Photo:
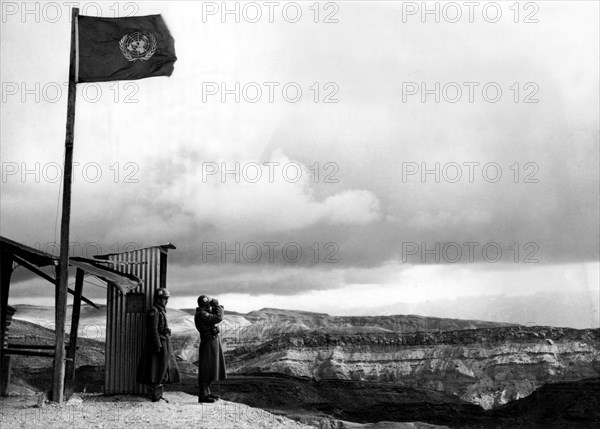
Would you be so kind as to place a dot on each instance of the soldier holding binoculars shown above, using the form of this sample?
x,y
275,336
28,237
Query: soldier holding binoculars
x,y
211,363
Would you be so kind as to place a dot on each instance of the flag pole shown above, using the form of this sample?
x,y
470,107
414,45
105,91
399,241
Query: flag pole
x,y
63,277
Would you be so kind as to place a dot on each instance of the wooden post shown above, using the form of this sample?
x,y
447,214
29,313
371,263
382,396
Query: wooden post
x,y
5,274
61,295
71,352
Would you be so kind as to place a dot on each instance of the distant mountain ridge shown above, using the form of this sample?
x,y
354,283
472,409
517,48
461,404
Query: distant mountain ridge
x,y
579,309
487,363
393,323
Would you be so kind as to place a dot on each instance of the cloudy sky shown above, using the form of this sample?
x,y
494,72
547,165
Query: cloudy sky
x,y
382,157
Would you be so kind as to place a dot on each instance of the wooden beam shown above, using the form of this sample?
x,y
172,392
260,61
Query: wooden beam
x,y
42,274
70,370
34,269
6,262
27,353
31,346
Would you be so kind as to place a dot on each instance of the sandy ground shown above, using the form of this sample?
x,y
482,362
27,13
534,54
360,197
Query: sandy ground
x,y
97,411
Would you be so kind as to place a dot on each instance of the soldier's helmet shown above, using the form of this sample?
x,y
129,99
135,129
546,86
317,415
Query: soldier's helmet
x,y
161,292
203,300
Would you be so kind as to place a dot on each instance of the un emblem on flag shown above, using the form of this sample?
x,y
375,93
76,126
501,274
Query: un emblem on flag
x,y
138,46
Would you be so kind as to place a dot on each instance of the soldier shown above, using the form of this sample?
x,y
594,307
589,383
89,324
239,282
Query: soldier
x,y
211,363
157,365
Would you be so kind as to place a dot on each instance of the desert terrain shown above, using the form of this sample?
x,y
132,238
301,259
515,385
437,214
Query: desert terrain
x,y
301,369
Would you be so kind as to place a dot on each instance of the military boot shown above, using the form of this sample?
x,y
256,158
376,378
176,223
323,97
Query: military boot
x,y
156,392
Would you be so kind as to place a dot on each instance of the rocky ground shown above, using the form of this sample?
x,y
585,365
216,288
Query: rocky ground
x,y
97,411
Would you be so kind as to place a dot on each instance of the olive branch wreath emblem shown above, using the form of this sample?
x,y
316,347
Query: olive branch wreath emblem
x,y
146,54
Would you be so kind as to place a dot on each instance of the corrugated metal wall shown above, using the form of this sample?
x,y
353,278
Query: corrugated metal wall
x,y
125,331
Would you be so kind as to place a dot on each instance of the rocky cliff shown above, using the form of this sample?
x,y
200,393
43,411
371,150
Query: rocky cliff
x,y
486,366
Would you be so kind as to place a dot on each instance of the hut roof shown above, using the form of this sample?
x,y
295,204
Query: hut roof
x,y
31,258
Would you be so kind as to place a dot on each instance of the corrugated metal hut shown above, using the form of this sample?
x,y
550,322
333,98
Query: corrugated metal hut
x,y
14,255
126,315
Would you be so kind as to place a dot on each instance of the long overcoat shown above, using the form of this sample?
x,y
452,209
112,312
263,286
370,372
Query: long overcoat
x,y
211,363
157,364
